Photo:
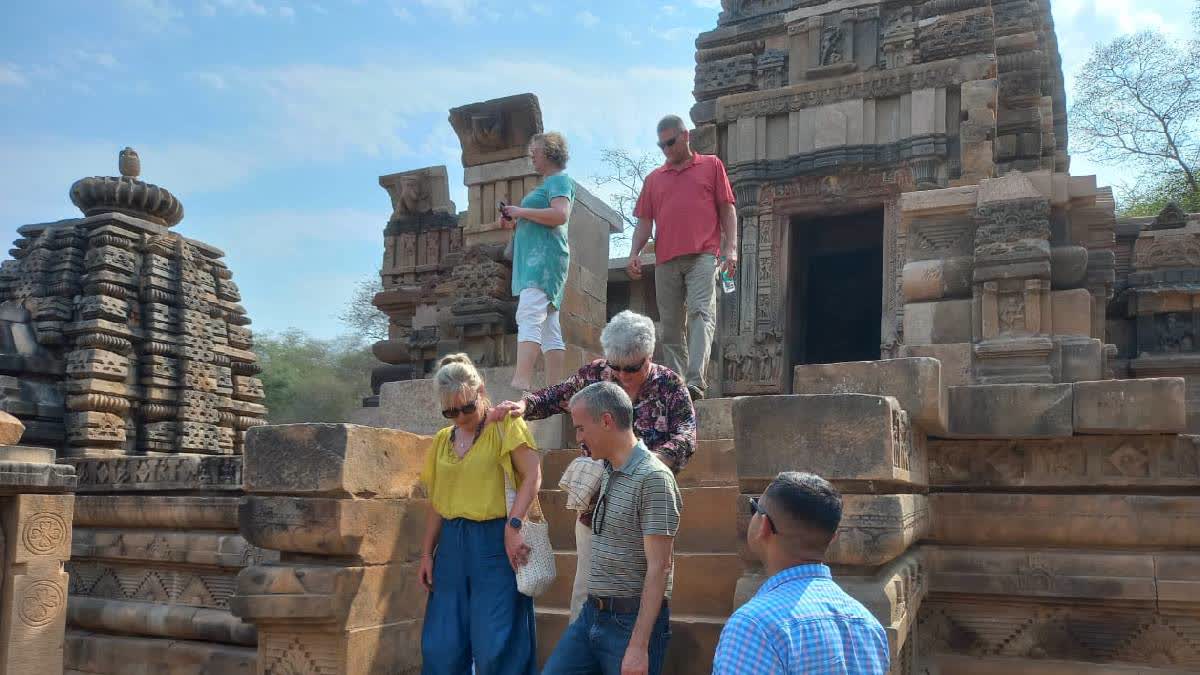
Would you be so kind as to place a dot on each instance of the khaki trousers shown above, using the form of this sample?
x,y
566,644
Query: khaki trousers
x,y
687,283
583,566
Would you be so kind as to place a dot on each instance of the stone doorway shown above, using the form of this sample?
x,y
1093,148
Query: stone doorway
x,y
836,289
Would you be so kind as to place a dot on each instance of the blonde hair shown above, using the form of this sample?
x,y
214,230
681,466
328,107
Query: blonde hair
x,y
455,375
554,147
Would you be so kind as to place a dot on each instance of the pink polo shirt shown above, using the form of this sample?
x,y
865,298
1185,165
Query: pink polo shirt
x,y
683,203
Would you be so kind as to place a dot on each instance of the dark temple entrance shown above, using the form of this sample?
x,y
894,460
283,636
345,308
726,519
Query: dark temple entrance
x,y
836,294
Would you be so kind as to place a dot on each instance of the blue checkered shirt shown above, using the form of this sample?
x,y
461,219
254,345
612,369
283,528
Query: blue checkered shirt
x,y
801,621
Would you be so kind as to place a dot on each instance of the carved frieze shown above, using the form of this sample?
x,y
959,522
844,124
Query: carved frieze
x,y
726,76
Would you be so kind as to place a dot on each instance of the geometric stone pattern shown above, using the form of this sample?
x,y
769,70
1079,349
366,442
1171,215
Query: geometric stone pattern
x,y
140,328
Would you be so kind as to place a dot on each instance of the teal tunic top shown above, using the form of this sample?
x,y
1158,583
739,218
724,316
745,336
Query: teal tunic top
x,y
540,253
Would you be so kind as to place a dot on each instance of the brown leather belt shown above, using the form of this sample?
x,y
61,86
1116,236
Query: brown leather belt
x,y
619,605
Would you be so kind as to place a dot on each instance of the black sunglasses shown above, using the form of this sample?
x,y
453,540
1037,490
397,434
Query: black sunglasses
x,y
600,511
470,408
627,369
663,145
756,509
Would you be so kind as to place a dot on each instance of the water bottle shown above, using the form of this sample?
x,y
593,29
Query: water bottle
x,y
727,283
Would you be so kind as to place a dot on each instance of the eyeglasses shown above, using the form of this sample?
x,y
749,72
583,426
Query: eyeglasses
x,y
663,145
629,370
756,508
600,511
468,409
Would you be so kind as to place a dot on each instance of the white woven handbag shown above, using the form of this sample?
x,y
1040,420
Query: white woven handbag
x,y
581,482
535,576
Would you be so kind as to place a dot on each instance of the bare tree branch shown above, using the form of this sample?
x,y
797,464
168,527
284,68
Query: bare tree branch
x,y
624,174
363,319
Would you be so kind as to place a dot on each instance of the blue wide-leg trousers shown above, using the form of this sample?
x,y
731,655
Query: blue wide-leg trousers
x,y
475,614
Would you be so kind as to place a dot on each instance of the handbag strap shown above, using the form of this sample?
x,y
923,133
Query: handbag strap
x,y
535,512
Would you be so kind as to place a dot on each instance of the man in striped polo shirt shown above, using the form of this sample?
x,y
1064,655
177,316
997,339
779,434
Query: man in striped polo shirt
x,y
624,626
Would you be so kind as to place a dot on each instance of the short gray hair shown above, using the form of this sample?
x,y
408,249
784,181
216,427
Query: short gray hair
x,y
673,122
605,397
627,337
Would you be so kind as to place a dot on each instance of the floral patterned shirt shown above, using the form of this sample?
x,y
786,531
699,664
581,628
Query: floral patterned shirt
x,y
663,416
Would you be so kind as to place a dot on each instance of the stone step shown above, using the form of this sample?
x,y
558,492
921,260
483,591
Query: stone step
x,y
842,437
690,651
704,582
712,465
915,382
708,523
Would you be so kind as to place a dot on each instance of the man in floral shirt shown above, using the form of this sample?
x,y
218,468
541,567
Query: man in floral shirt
x,y
663,416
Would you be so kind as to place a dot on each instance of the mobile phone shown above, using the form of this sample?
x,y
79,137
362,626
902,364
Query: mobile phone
x,y
500,205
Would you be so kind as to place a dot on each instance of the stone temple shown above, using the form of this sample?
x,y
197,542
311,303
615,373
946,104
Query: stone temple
x,y
930,311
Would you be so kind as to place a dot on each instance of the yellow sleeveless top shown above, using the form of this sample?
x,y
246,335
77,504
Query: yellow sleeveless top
x,y
473,487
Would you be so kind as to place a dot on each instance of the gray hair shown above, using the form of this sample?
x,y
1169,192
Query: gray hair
x,y
605,397
672,122
627,337
456,374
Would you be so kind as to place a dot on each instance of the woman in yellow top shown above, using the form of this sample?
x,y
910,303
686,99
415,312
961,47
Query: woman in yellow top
x,y
473,543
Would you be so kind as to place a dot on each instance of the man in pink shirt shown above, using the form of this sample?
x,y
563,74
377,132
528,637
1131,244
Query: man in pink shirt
x,y
689,203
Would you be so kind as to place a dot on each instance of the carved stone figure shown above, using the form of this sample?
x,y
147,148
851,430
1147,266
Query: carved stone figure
x,y
832,39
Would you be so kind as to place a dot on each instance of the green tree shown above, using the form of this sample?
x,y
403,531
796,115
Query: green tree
x,y
312,380
363,319
1137,103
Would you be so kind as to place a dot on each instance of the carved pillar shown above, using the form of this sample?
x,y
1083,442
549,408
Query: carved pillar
x,y
35,511
342,504
1012,283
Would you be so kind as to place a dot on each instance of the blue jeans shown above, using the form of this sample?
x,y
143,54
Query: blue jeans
x,y
475,614
596,642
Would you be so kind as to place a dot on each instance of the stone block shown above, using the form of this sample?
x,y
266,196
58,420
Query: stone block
x,y
333,460
157,511
158,473
893,594
373,531
35,476
90,653
1114,462
11,429
1071,312
842,437
1079,359
197,547
44,526
941,322
955,360
1152,405
875,529
1073,521
27,454
378,650
177,622
714,418
343,597
1011,411
1095,575
35,616
916,383
1178,579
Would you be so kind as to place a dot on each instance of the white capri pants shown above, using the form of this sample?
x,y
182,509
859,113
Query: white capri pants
x,y
537,321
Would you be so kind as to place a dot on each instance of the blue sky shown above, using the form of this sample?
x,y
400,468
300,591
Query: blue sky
x,y
271,120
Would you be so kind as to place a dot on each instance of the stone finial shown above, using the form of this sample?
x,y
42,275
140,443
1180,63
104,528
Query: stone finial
x,y
127,194
129,163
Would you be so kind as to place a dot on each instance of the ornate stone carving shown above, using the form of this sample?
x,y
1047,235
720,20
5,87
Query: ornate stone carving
x,y
127,194
726,76
41,603
1170,218
496,130
44,533
832,45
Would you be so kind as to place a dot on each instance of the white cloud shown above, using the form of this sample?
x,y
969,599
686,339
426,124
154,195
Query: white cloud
x,y
244,7
210,79
459,11
152,15
11,75
286,11
628,36
707,4
102,59
587,19
319,9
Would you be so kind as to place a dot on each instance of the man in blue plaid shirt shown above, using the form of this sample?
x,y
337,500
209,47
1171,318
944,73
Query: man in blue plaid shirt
x,y
799,621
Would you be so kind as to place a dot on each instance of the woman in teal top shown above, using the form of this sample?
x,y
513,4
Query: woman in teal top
x,y
541,257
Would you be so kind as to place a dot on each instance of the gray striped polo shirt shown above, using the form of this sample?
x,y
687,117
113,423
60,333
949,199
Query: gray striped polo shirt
x,y
637,499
